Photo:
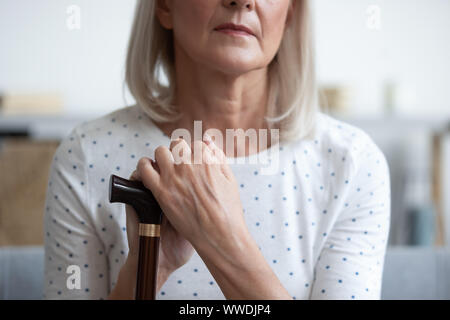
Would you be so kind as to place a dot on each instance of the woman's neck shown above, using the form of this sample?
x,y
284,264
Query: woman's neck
x,y
221,101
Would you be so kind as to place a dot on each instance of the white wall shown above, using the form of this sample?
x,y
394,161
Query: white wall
x,y
412,48
38,51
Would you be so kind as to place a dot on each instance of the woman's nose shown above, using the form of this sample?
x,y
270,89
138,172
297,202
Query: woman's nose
x,y
239,4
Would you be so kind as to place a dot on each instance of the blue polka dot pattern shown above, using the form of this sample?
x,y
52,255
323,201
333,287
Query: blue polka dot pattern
x,y
321,222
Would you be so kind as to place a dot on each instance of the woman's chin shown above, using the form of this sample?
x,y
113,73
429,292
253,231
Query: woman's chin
x,y
235,65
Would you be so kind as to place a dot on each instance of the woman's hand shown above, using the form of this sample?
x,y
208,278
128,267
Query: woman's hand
x,y
202,205
200,199
174,250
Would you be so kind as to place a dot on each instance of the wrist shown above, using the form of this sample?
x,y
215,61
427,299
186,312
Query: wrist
x,y
233,254
240,271
246,275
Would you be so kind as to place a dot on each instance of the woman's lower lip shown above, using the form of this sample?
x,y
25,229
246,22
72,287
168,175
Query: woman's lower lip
x,y
235,32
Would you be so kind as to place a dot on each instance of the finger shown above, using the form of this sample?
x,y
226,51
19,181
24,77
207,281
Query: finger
x,y
148,174
198,147
181,151
208,156
220,155
132,223
135,176
164,158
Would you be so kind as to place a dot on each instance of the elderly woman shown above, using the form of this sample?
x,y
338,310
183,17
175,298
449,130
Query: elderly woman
x,y
315,227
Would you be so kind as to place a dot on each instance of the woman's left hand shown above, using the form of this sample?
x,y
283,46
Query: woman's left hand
x,y
201,200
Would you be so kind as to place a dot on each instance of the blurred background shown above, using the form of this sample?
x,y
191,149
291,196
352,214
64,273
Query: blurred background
x,y
383,65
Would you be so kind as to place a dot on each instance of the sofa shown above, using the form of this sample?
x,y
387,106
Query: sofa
x,y
409,273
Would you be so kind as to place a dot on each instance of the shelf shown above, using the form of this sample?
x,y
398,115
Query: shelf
x,y
398,122
56,127
40,127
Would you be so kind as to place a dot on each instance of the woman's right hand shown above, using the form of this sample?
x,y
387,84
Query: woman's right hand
x,y
174,250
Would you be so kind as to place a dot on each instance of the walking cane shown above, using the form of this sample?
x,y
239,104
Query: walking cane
x,y
149,214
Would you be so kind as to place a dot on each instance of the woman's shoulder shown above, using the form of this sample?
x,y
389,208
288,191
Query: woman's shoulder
x,y
336,130
345,141
129,125
126,118
125,131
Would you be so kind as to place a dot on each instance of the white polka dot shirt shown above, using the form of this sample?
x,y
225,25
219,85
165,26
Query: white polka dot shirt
x,y
321,220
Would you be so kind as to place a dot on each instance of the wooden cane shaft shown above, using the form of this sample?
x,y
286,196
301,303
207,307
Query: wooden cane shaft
x,y
148,262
